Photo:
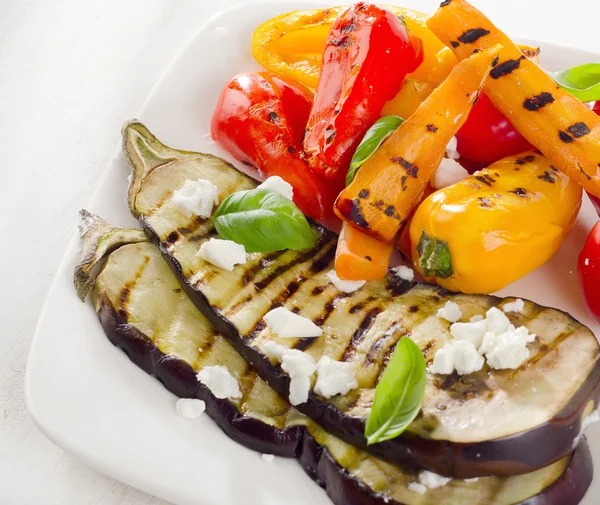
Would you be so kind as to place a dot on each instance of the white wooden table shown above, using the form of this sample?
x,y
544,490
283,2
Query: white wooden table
x,y
71,72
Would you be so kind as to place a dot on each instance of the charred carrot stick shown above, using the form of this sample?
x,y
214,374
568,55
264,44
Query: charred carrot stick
x,y
389,184
360,257
551,119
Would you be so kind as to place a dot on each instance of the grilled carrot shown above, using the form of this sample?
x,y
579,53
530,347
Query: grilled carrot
x,y
390,183
360,257
551,119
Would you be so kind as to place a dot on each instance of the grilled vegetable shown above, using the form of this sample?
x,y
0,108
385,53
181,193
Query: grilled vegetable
x,y
260,120
164,343
550,118
495,226
505,418
368,53
292,45
389,184
588,267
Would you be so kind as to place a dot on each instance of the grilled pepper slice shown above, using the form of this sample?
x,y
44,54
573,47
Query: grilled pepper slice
x,y
390,183
481,234
292,45
551,119
367,56
260,120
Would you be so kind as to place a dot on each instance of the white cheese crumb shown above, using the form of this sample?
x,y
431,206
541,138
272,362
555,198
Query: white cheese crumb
x,y
334,377
451,149
273,350
286,324
461,355
220,382
417,488
404,272
267,457
449,172
472,481
450,312
343,285
197,198
224,254
471,332
190,408
432,480
279,185
517,306
476,318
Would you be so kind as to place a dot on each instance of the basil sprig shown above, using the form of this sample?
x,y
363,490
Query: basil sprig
x,y
263,220
399,394
582,81
374,137
435,257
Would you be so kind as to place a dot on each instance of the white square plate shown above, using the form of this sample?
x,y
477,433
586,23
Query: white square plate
x,y
87,397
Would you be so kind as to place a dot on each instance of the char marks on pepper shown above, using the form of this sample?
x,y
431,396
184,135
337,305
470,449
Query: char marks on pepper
x,y
578,130
565,137
411,169
525,159
536,102
473,35
505,68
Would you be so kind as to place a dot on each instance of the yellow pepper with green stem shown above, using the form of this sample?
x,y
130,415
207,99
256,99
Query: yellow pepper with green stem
x,y
487,231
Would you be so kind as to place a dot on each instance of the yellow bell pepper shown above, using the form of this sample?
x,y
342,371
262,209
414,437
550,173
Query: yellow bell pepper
x,y
292,45
481,234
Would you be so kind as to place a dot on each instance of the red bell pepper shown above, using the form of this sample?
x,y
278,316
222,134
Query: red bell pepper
x,y
368,53
588,268
260,119
488,136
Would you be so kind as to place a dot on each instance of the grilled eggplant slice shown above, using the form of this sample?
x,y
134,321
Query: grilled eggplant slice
x,y
482,424
144,312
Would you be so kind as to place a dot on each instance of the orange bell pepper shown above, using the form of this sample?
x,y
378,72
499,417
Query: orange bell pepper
x,y
390,183
551,119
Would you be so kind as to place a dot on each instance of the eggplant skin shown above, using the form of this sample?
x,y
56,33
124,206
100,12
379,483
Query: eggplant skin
x,y
179,378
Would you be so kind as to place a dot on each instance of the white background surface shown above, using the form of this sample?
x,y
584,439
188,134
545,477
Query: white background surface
x,y
70,74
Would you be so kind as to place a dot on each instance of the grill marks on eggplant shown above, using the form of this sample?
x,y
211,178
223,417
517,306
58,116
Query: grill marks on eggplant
x,y
488,418
165,343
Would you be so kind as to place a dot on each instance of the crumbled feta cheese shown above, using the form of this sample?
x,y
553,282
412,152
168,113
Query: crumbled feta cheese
x,y
220,382
299,365
267,457
476,318
343,285
472,481
286,324
190,408
404,272
197,198
432,480
507,349
224,254
450,312
471,332
451,149
334,377
417,487
517,306
279,185
461,355
449,172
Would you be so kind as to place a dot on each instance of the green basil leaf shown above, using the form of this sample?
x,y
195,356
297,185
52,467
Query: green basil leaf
x,y
374,137
435,257
399,394
582,81
263,220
